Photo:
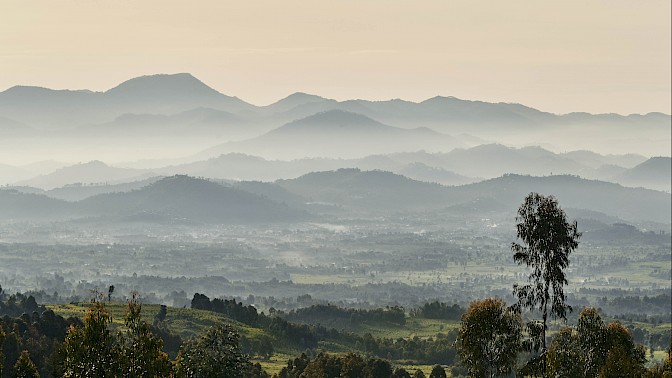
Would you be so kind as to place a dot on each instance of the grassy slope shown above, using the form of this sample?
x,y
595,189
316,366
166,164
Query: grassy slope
x,y
190,322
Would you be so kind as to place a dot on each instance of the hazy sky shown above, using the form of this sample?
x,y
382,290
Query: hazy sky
x,y
559,56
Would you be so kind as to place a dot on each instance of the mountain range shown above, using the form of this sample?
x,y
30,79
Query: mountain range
x,y
458,167
160,107
175,199
350,192
377,191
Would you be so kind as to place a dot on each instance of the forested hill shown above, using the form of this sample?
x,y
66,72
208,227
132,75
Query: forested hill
x,y
635,204
384,191
346,191
172,199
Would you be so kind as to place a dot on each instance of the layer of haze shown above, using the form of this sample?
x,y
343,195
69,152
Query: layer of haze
x,y
594,56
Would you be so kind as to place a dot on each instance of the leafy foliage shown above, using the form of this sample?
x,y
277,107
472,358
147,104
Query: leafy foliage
x,y
564,357
215,354
438,310
595,350
91,351
25,368
548,240
489,339
320,313
437,372
142,352
326,365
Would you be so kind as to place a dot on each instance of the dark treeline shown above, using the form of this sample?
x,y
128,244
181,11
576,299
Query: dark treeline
x,y
438,310
330,314
40,334
229,307
349,365
297,335
433,350
17,304
656,304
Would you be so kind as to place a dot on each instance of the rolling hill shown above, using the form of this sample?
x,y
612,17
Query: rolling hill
x,y
92,172
654,173
386,192
169,200
337,134
183,198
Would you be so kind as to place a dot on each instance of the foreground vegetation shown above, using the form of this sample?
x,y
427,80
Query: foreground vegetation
x,y
70,340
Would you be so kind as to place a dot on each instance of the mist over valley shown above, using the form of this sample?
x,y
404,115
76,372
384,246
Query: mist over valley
x,y
309,210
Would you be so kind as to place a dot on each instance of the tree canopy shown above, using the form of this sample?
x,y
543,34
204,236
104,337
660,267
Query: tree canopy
x,y
489,338
548,239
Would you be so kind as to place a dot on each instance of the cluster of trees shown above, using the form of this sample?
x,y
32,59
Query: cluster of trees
x,y
438,310
301,336
492,335
91,349
439,349
229,307
350,365
330,314
17,304
41,334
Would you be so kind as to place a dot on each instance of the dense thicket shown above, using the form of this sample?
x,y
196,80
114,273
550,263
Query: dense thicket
x,y
438,310
334,315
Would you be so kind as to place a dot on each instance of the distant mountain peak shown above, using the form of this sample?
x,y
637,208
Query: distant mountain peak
x,y
162,83
331,120
302,96
294,100
338,116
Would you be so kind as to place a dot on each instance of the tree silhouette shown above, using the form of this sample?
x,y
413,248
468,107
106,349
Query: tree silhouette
x,y
25,368
548,240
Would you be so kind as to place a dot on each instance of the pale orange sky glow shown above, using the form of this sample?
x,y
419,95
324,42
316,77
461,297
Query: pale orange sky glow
x,y
594,56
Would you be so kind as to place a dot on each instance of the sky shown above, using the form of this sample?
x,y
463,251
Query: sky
x,y
598,56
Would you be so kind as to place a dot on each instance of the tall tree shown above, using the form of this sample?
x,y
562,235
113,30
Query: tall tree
x,y
437,372
91,351
25,368
593,340
564,356
625,358
489,338
142,354
2,339
216,354
547,241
